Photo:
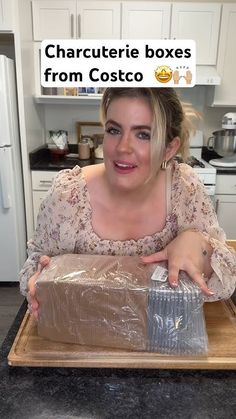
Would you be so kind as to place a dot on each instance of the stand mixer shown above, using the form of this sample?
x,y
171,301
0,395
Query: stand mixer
x,y
223,142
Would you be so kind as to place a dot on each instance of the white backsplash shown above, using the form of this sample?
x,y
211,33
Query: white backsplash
x,y
66,116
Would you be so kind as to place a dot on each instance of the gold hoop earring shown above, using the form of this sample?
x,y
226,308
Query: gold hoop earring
x,y
164,165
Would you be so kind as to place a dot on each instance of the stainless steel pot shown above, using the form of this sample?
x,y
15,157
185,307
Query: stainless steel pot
x,y
223,142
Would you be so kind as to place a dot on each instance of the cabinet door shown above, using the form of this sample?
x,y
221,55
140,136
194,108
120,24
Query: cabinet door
x,y
98,19
54,19
145,20
226,210
200,22
6,18
226,184
225,94
42,180
38,197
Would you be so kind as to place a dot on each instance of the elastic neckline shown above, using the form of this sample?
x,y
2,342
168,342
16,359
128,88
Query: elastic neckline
x,y
157,235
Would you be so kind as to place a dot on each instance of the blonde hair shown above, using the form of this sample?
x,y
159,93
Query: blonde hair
x,y
169,119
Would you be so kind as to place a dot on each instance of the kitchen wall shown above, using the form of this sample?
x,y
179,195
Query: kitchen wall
x,y
66,116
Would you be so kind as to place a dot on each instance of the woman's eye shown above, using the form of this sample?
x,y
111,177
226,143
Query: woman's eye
x,y
113,131
144,135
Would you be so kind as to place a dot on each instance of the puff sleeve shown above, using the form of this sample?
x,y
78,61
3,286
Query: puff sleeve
x,y
56,228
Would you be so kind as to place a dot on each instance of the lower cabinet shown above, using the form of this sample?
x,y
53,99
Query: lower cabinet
x,y
226,203
226,210
41,183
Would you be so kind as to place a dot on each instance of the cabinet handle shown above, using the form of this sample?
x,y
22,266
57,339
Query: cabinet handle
x,y
72,25
217,205
79,27
46,182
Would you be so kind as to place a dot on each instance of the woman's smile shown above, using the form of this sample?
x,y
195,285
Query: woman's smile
x,y
124,167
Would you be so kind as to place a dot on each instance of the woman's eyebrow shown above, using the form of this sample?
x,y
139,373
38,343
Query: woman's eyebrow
x,y
141,127
134,127
111,121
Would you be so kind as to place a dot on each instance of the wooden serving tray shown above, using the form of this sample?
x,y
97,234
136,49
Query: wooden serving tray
x,y
31,350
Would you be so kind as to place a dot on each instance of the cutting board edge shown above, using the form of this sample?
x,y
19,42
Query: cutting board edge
x,y
154,361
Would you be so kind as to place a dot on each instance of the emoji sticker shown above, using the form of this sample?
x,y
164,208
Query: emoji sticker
x,y
163,73
187,76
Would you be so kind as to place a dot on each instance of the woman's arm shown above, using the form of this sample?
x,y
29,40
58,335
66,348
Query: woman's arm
x,y
56,223
45,240
199,247
200,215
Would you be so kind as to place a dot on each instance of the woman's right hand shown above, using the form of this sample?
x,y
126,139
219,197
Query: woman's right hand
x,y
33,304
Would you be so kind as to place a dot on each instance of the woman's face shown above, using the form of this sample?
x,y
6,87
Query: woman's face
x,y
127,143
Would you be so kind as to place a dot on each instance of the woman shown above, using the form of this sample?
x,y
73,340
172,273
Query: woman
x,y
139,201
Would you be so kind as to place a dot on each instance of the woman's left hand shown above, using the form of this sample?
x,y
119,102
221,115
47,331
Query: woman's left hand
x,y
189,252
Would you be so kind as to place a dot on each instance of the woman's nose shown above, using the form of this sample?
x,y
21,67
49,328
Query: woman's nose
x,y
125,145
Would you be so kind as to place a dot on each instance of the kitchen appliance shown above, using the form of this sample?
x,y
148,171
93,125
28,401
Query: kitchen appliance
x,y
12,214
204,170
223,142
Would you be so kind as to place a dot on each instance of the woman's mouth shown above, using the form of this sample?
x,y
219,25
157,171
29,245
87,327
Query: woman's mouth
x,y
124,167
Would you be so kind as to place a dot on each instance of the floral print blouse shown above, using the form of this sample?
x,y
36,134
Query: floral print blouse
x,y
64,225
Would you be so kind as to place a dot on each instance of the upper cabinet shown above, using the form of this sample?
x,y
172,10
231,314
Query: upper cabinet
x,y
6,15
66,19
98,19
157,20
53,19
145,20
200,22
225,94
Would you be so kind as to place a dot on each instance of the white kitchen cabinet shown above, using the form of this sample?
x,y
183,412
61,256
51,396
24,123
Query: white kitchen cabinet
x,y
60,19
226,184
226,203
226,210
200,22
158,20
53,19
41,183
145,20
6,15
225,93
98,19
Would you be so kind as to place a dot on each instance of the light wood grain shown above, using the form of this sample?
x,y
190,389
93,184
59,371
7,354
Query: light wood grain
x,y
31,350
231,243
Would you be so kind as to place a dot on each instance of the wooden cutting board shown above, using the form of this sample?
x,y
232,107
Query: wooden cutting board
x,y
30,350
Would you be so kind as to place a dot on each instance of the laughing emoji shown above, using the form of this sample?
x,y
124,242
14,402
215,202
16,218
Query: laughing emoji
x,y
163,74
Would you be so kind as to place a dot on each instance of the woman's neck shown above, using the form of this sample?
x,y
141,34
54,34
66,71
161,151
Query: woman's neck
x,y
138,196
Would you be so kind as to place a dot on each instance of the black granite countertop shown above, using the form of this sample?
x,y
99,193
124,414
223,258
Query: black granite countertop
x,y
42,159
68,393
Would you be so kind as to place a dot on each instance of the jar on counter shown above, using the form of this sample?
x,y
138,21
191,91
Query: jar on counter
x,y
84,149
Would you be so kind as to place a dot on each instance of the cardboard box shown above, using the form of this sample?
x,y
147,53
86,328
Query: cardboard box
x,y
94,300
117,302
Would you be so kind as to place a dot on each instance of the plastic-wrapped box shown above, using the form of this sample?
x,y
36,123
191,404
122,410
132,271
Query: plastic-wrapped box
x,y
117,302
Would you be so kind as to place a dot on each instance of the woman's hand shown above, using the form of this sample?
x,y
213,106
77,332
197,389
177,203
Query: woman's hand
x,y
189,252
33,304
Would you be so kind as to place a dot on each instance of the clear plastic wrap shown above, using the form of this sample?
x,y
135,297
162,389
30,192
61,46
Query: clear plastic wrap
x,y
117,302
